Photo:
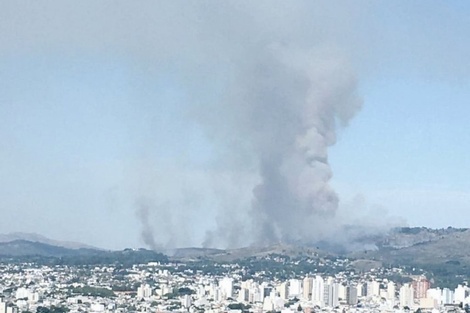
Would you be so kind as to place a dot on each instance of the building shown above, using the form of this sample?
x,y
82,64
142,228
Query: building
x,y
373,289
421,286
318,289
351,295
460,293
307,288
407,296
330,296
283,290
226,287
144,292
295,288
391,292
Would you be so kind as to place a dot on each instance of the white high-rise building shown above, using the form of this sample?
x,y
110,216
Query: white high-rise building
x,y
373,289
391,291
342,292
436,294
263,291
144,292
460,293
406,296
360,290
330,297
283,290
243,295
447,296
351,295
318,290
226,287
295,288
307,288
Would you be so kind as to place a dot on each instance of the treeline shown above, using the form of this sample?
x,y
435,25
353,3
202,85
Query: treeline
x,y
93,291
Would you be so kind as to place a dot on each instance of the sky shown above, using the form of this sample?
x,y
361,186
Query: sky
x,y
151,124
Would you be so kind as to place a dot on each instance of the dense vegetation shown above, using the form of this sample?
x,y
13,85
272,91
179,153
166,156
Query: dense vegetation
x,y
93,291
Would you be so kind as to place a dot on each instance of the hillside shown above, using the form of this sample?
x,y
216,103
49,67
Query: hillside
x,y
19,248
424,247
28,251
417,245
4,238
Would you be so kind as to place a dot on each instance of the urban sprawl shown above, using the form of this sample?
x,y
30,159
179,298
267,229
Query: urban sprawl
x,y
167,287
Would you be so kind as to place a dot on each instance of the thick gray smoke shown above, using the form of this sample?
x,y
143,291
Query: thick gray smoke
x,y
269,82
288,104
220,114
296,109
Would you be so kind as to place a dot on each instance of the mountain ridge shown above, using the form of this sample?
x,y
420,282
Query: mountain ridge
x,y
34,237
405,245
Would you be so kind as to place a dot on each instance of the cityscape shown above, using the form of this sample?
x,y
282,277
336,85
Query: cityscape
x,y
179,287
234,156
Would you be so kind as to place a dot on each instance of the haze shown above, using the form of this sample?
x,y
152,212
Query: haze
x,y
224,124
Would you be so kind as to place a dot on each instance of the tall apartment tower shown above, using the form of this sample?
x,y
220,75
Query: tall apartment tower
x,y
144,291
307,288
284,291
351,295
406,295
318,289
295,288
391,290
373,289
226,287
330,296
421,286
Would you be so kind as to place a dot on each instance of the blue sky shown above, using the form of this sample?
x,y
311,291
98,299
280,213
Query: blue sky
x,y
96,118
407,151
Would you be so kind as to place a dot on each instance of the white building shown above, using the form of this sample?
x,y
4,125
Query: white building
x,y
406,296
460,293
373,289
447,296
226,287
307,288
144,292
283,290
295,288
318,290
330,297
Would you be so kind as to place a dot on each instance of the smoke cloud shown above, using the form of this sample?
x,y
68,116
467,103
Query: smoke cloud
x,y
288,104
147,233
270,84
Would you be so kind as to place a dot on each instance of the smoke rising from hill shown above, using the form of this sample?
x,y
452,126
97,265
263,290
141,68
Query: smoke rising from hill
x,y
288,104
269,82
212,121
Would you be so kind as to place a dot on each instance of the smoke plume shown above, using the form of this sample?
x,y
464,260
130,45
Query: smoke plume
x,y
147,233
284,90
219,114
288,104
269,83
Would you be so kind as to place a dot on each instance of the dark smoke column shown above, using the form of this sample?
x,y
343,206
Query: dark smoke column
x,y
288,104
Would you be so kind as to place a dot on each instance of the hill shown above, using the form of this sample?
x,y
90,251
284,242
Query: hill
x,y
4,238
423,247
42,253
